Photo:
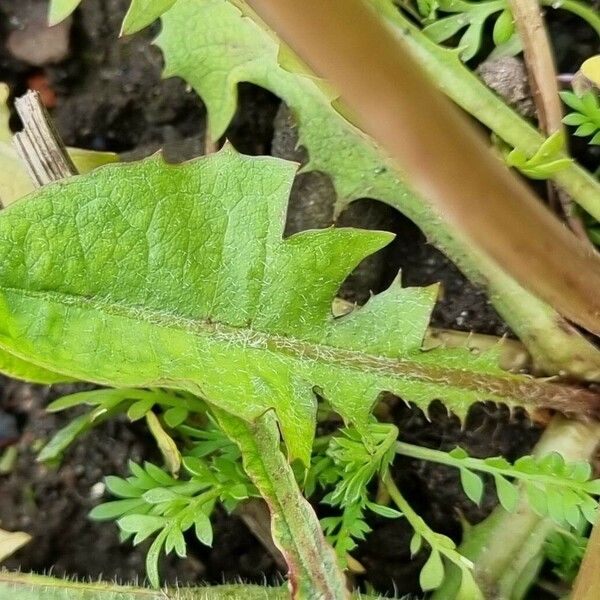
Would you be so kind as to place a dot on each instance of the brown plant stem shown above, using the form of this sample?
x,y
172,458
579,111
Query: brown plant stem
x,y
543,82
401,108
540,63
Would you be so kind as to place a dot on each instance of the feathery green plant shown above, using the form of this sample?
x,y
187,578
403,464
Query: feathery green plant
x,y
154,503
585,115
563,491
564,549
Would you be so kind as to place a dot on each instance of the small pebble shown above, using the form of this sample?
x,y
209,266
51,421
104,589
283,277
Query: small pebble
x,y
97,490
37,44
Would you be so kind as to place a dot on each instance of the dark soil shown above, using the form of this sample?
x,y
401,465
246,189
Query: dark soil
x,y
109,96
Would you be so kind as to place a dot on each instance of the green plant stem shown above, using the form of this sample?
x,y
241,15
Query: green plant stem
x,y
476,464
468,91
419,526
313,568
26,586
21,586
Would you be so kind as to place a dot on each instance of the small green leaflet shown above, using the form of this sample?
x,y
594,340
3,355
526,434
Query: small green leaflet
x,y
554,487
471,16
152,502
585,115
432,574
472,484
546,162
177,276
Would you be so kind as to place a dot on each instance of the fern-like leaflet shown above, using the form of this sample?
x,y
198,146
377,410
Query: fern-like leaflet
x,y
155,503
585,114
563,491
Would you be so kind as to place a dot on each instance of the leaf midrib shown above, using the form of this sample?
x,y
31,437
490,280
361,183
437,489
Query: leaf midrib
x,y
506,387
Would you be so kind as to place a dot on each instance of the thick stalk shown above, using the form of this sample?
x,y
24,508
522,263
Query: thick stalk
x,y
313,569
417,126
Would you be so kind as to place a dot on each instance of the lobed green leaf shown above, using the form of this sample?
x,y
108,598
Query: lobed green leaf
x,y
182,279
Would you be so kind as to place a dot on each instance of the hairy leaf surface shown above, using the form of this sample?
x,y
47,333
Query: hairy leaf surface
x,y
21,586
14,184
215,44
152,274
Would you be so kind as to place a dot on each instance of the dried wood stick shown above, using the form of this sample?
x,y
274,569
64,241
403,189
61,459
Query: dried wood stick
x,y
540,63
39,146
